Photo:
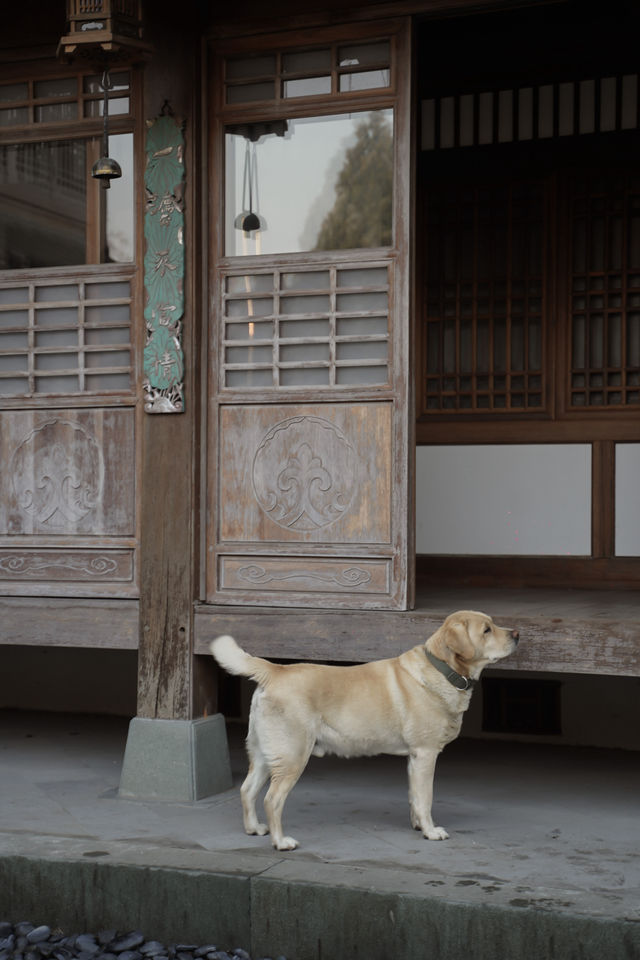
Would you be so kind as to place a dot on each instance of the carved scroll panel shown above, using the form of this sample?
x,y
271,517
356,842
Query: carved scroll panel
x,y
67,499
304,501
305,474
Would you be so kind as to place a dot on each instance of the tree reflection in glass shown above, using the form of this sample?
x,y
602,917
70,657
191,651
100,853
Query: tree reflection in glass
x,y
320,183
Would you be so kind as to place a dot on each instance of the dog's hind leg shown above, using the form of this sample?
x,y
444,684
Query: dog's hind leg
x,y
254,781
284,777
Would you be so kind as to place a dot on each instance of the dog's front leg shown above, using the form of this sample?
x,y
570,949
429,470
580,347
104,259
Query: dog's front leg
x,y
422,764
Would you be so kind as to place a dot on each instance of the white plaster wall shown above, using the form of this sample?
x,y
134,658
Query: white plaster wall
x,y
628,499
520,499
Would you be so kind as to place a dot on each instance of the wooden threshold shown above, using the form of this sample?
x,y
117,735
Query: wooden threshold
x,y
561,630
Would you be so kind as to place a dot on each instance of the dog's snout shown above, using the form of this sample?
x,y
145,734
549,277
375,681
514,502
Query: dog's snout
x,y
515,636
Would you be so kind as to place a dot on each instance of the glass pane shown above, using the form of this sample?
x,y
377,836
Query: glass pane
x,y
251,67
64,87
10,118
12,387
370,80
249,378
258,283
362,326
14,295
307,377
113,358
14,318
56,361
65,317
56,112
363,54
43,208
309,61
316,280
57,294
248,354
249,331
325,185
369,350
107,291
306,87
56,384
355,302
117,107
57,338
13,91
14,341
106,335
93,84
250,308
14,364
249,92
368,277
303,329
120,203
310,304
299,352
356,376
107,381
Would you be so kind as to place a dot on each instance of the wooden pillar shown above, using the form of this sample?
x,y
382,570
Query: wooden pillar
x,y
603,498
170,441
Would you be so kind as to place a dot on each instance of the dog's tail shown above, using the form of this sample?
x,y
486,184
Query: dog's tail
x,y
235,660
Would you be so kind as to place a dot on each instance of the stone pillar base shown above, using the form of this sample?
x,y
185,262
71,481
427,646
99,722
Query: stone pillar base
x,y
175,760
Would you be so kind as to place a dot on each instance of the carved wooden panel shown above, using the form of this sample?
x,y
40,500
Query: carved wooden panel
x,y
67,473
309,574
84,566
300,474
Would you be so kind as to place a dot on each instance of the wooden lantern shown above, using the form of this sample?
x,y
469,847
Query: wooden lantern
x,y
103,27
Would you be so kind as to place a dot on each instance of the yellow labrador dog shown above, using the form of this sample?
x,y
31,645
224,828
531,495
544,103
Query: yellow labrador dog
x,y
411,705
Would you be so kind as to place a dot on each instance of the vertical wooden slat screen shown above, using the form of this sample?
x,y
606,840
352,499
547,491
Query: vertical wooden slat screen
x,y
484,297
605,291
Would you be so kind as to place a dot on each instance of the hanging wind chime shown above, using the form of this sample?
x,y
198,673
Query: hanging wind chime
x,y
106,168
248,221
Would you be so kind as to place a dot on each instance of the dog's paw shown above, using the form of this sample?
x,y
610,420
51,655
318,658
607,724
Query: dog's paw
x,y
436,833
259,830
287,843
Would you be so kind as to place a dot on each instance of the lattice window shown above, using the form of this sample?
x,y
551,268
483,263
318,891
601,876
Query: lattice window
x,y
330,70
62,99
605,292
485,290
65,335
570,108
313,326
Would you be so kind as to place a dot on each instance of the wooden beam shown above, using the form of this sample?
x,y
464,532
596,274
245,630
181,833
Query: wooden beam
x,y
69,622
562,631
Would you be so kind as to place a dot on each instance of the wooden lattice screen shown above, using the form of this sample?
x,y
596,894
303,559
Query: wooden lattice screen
x,y
485,291
605,291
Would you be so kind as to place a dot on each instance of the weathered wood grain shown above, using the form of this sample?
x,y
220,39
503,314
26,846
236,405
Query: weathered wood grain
x,y
69,622
560,633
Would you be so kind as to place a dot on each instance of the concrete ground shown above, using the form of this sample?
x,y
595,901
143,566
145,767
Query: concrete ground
x,y
542,861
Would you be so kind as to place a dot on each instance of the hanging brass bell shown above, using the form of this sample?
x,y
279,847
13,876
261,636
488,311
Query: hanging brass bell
x,y
106,169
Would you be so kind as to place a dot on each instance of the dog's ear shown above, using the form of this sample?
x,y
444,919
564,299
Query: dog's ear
x,y
453,638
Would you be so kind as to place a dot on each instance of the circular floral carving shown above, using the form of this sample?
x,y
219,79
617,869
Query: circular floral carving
x,y
304,473
58,473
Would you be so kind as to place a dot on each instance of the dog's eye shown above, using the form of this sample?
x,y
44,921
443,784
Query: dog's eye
x,y
487,629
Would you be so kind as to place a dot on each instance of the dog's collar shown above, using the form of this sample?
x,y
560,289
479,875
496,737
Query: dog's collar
x,y
458,680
